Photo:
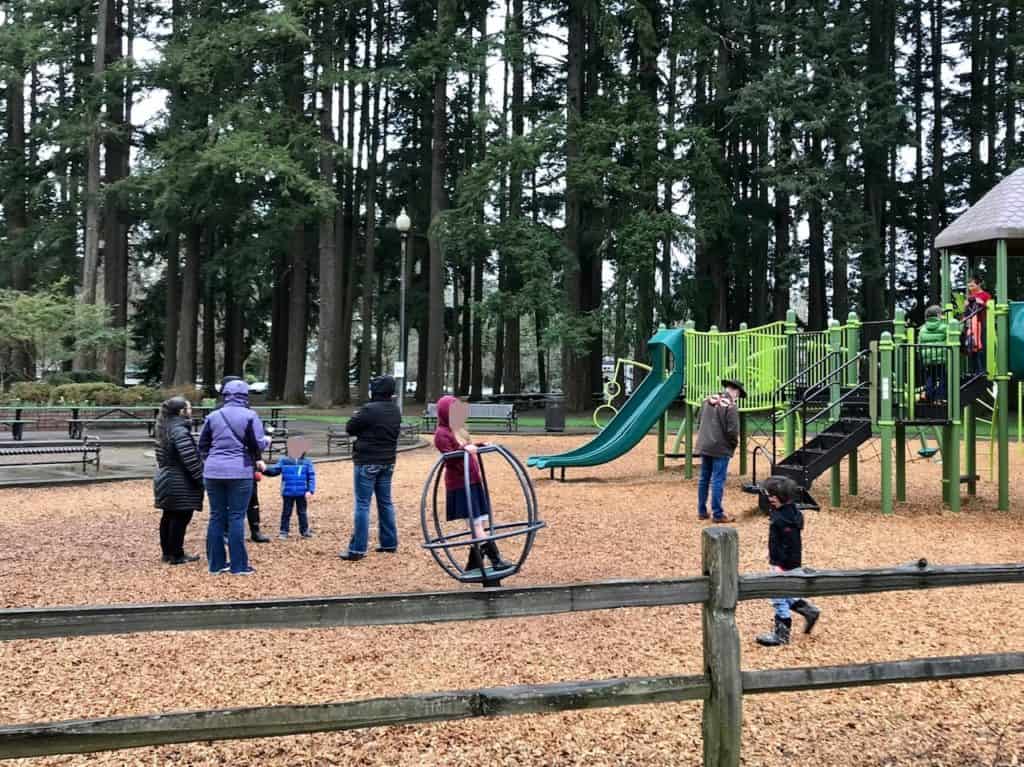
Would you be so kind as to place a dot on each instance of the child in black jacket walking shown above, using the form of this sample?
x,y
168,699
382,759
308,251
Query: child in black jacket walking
x,y
785,552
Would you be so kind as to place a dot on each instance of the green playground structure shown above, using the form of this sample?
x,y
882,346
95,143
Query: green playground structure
x,y
828,392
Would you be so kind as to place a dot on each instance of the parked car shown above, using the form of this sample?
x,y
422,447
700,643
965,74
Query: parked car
x,y
259,387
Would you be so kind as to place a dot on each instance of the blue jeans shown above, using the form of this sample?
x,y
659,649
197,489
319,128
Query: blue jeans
x,y
782,605
229,500
712,473
299,502
370,480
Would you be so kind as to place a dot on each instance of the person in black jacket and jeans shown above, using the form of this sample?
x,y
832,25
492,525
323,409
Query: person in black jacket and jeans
x,y
785,552
178,483
375,426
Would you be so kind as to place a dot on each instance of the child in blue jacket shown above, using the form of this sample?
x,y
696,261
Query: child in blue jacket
x,y
298,483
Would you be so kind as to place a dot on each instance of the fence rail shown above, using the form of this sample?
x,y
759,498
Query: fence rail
x,y
721,688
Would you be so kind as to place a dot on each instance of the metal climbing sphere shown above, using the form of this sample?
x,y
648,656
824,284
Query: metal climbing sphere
x,y
448,545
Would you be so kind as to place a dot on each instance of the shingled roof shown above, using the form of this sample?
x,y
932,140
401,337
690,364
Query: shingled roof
x,y
999,215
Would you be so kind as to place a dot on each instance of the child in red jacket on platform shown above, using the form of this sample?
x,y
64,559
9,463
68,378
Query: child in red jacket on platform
x,y
450,436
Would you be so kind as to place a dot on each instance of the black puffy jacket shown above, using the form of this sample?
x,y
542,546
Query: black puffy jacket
x,y
785,539
178,482
376,427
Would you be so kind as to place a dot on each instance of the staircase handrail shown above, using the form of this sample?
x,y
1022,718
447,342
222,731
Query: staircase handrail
x,y
824,383
832,406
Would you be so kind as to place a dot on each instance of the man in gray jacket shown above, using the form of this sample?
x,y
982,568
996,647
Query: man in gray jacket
x,y
716,442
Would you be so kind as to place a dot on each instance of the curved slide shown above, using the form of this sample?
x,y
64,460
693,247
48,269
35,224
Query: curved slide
x,y
637,416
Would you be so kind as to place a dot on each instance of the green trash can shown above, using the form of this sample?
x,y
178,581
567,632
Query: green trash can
x,y
554,415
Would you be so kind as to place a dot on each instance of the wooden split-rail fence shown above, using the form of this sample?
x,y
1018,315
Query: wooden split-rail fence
x,y
721,688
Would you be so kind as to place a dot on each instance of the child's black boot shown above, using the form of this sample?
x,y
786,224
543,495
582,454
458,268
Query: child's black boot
x,y
808,612
475,562
491,552
779,636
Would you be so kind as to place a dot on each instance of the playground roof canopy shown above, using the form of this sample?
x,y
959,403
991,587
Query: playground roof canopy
x,y
999,215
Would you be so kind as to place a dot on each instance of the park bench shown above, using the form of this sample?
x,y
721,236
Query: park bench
x,y
16,425
479,413
46,453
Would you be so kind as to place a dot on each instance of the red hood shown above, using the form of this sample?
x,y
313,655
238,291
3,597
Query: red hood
x,y
444,406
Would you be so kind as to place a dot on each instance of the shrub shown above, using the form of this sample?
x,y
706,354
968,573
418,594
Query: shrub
x,y
88,392
77,377
192,393
146,395
32,391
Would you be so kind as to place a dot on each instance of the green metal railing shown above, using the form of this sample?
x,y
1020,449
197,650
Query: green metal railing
x,y
756,356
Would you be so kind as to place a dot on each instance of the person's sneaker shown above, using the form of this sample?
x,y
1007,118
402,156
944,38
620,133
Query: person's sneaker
x,y
246,571
185,560
725,519
348,556
382,550
703,517
282,536
259,538
307,534
166,559
225,569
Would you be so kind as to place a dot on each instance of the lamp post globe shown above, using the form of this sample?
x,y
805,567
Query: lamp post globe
x,y
403,224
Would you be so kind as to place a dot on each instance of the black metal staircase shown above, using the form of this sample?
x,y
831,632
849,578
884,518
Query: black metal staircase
x,y
847,417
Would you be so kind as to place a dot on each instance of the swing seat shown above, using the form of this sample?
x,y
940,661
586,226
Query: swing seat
x,y
928,452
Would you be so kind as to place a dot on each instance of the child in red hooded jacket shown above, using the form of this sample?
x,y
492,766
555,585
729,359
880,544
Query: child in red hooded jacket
x,y
451,436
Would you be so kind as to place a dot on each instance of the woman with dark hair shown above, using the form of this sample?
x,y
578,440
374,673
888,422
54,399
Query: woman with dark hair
x,y
178,483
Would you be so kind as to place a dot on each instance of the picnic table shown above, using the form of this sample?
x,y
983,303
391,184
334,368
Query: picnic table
x,y
83,416
16,425
50,453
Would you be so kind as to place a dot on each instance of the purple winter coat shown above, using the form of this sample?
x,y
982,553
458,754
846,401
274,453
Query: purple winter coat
x,y
224,455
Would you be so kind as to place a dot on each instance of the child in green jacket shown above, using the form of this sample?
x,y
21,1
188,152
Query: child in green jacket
x,y
934,360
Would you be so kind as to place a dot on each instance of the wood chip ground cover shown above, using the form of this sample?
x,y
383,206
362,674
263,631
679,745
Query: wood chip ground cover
x,y
93,545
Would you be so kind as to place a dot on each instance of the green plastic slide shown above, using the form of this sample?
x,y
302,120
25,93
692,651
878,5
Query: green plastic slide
x,y
637,416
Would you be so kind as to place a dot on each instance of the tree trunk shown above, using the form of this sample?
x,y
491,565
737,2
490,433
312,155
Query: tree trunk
x,y
937,185
91,261
172,323
920,200
466,334
817,299
116,158
369,259
298,308
327,388
1013,86
209,335
438,203
279,326
476,375
185,370
234,326
976,109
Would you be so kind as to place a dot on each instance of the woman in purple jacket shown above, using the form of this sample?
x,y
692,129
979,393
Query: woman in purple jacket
x,y
231,447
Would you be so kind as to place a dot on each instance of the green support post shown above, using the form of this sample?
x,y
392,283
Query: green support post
x,y
885,422
688,436
853,326
689,327
971,448
835,341
1003,379
743,373
947,284
951,432
900,394
791,370
663,421
901,462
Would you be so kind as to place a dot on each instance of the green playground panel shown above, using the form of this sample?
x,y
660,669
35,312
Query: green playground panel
x,y
756,356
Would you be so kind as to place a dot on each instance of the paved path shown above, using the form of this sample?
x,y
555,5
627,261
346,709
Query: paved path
x,y
128,454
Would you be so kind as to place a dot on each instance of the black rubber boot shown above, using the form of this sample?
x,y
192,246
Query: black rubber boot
x,y
491,552
779,636
808,612
475,561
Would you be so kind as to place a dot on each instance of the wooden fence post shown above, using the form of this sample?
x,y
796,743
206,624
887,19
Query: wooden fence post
x,y
723,708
